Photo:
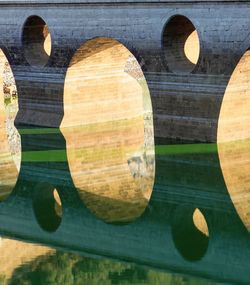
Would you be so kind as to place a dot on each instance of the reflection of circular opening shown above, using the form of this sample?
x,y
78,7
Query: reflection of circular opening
x,y
200,222
233,138
58,203
47,207
10,146
190,234
181,44
109,137
36,41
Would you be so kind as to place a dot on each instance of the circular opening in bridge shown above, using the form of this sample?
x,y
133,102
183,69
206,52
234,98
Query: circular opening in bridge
x,y
108,127
36,41
233,138
181,44
10,141
47,207
190,233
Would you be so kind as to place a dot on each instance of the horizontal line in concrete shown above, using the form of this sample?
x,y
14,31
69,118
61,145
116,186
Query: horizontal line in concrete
x,y
26,2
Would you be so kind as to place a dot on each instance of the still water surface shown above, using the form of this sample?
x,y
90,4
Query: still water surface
x,y
26,264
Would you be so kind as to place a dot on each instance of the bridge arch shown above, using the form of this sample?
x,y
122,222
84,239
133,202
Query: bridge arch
x,y
10,146
233,138
108,127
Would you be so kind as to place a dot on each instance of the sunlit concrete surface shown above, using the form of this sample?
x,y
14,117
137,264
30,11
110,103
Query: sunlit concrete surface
x,y
234,138
10,146
192,47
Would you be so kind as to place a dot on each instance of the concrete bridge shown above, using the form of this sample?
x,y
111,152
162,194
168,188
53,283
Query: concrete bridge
x,y
84,173
222,28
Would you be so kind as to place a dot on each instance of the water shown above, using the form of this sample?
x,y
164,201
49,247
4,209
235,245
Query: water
x,y
26,263
98,203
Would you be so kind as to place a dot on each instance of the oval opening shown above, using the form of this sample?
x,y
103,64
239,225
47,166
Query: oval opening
x,y
36,41
181,45
190,234
233,138
10,146
108,127
47,207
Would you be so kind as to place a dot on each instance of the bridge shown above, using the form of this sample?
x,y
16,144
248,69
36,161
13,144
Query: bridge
x,y
129,134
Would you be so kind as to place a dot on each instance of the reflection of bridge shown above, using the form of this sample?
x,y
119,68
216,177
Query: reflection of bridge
x,y
164,237
186,98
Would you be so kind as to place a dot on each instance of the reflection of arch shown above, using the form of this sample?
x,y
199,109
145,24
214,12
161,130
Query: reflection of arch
x,y
36,40
10,144
47,207
234,138
108,128
190,233
181,44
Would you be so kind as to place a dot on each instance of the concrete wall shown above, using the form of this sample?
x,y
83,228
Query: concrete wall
x,y
186,106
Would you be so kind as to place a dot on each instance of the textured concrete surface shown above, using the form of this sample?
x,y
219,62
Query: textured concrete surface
x,y
234,138
191,102
108,128
188,105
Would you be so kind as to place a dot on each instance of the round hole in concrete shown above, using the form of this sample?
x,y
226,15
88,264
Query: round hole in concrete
x,y
36,41
47,207
10,146
180,43
190,233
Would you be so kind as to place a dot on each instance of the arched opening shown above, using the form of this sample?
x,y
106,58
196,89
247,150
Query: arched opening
x,y
233,138
36,41
181,44
47,207
190,233
108,128
10,141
